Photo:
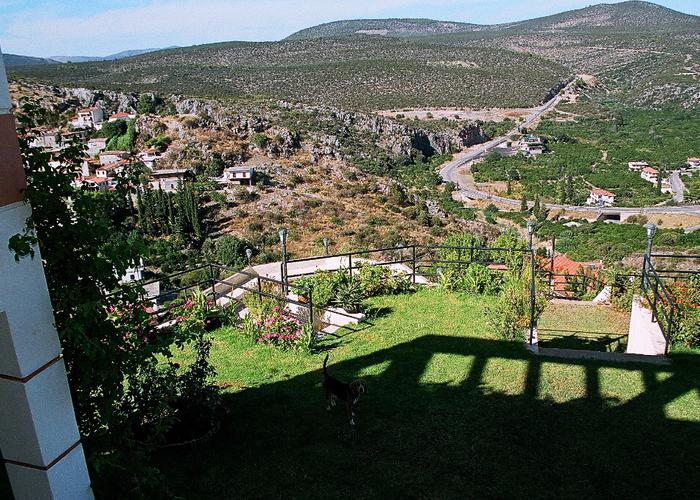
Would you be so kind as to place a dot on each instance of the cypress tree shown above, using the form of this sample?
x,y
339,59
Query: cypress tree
x,y
536,209
569,189
523,204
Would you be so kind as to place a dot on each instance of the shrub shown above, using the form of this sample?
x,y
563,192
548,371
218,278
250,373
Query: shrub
x,y
687,296
510,316
349,296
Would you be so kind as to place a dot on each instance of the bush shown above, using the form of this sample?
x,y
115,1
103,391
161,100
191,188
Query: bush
x,y
510,316
687,297
349,296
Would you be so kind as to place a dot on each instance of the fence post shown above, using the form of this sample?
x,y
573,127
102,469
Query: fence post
x,y
259,290
471,250
530,232
654,316
311,309
350,263
213,282
651,230
414,263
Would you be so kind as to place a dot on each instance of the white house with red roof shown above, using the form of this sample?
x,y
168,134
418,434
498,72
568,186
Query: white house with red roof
x,y
121,116
600,198
111,169
694,163
88,118
93,182
650,174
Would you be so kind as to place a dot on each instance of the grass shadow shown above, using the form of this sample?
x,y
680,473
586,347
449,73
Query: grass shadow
x,y
421,438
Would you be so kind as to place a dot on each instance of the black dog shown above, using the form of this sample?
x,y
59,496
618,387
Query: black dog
x,y
334,389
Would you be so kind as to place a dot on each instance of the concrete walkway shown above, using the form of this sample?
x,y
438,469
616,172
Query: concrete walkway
x,y
645,336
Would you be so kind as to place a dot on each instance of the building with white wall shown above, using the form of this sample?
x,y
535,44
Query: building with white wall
x,y
600,198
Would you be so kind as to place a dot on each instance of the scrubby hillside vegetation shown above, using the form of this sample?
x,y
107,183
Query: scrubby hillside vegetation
x,y
390,27
645,54
365,73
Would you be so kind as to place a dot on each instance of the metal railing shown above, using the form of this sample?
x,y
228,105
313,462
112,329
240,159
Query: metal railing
x,y
664,308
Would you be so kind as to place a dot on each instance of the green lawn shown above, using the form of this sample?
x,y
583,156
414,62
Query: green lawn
x,y
451,412
577,326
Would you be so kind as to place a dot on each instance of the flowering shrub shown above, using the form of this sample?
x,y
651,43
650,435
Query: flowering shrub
x,y
280,329
687,298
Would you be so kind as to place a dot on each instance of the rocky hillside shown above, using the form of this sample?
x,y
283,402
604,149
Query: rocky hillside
x,y
323,171
387,27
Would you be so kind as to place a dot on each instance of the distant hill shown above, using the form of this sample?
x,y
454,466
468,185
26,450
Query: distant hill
x,y
111,57
625,17
387,27
13,60
643,54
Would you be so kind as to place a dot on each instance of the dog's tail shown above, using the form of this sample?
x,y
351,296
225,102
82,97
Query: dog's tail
x,y
325,361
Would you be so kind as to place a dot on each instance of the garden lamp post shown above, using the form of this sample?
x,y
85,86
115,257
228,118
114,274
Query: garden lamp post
x,y
249,254
651,231
283,241
326,244
530,233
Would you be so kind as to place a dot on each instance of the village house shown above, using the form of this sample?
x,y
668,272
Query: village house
x,y
694,163
133,273
121,116
600,198
46,140
149,157
111,169
652,175
168,179
88,118
96,145
89,166
636,166
243,175
107,157
531,145
93,182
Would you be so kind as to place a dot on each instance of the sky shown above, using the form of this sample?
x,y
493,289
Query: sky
x,y
47,28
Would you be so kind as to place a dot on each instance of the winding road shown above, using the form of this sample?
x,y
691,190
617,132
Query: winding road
x,y
449,173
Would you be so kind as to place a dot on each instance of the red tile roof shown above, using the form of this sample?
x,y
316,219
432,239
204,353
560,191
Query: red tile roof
x,y
601,192
120,115
649,170
564,266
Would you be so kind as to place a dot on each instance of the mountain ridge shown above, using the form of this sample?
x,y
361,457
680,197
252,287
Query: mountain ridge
x,y
621,17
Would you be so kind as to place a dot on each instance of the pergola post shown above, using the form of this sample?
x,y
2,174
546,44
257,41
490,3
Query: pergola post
x,y
39,435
